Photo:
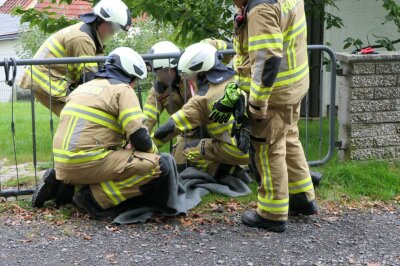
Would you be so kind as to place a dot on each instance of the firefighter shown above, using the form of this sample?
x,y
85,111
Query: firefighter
x,y
100,116
272,67
169,92
51,84
218,154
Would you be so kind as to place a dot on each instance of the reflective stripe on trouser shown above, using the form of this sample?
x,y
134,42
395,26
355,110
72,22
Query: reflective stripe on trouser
x,y
115,178
209,153
280,161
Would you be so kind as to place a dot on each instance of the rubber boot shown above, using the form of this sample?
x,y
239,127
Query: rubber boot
x,y
298,204
253,219
47,189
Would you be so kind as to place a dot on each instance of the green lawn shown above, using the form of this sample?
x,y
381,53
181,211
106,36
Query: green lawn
x,y
375,179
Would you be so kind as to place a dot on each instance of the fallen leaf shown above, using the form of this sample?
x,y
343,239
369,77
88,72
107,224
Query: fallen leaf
x,y
110,257
233,206
330,218
373,264
185,222
318,225
229,221
112,228
52,238
26,240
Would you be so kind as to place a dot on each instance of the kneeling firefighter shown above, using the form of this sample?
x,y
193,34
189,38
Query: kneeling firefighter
x,y
217,155
99,118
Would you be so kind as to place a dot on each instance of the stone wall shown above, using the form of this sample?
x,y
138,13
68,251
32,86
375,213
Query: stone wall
x,y
369,106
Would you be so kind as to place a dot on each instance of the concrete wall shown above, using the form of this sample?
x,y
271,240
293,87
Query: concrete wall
x,y
361,19
7,50
369,106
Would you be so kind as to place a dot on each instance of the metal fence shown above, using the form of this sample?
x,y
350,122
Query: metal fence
x,y
314,138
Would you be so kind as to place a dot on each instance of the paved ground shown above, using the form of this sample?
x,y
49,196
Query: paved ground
x,y
349,238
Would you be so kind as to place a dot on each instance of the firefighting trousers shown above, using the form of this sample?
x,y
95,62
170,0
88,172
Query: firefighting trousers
x,y
115,178
208,154
280,161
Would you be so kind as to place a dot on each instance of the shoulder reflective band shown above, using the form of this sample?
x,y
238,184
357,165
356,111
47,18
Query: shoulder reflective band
x,y
181,121
55,47
130,114
92,115
68,157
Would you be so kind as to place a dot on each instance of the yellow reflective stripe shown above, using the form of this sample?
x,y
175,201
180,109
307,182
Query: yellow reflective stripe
x,y
271,205
113,192
291,76
266,46
151,111
56,87
265,41
266,172
64,156
181,121
234,151
56,48
296,29
265,37
70,130
244,82
92,115
217,128
130,114
301,186
259,93
134,180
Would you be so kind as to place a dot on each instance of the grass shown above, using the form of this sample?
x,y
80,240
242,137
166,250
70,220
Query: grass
x,y
378,180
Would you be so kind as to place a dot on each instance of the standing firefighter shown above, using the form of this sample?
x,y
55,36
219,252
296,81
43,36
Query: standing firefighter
x,y
272,67
218,154
51,84
100,116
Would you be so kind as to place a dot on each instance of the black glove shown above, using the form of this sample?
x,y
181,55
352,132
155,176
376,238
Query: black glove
x,y
240,129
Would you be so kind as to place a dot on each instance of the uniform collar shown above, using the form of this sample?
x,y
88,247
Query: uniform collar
x,y
219,73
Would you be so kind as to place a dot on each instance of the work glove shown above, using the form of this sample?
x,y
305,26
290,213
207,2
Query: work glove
x,y
225,107
240,129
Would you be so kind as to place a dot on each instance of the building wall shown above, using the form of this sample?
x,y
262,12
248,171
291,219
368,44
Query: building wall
x,y
362,19
7,50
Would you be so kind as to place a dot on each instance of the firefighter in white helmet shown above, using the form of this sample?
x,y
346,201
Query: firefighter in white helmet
x,y
84,39
99,118
219,153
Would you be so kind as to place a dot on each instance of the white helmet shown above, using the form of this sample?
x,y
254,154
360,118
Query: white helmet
x,y
114,11
127,60
197,58
164,47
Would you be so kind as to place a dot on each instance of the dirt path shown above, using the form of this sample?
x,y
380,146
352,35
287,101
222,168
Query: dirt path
x,y
351,238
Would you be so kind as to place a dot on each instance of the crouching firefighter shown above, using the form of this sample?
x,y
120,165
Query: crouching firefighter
x,y
272,67
51,84
100,116
218,155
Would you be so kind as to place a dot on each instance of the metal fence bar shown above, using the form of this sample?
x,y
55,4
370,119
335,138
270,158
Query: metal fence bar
x,y
72,60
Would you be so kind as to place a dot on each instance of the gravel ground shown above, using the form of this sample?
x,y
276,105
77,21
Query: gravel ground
x,y
352,238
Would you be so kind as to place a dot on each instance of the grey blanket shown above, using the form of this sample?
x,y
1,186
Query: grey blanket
x,y
179,193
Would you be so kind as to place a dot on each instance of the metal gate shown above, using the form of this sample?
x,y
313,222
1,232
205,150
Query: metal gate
x,y
324,145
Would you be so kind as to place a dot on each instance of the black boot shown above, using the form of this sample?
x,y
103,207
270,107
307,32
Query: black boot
x,y
252,219
316,178
65,194
242,175
298,204
84,200
47,189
